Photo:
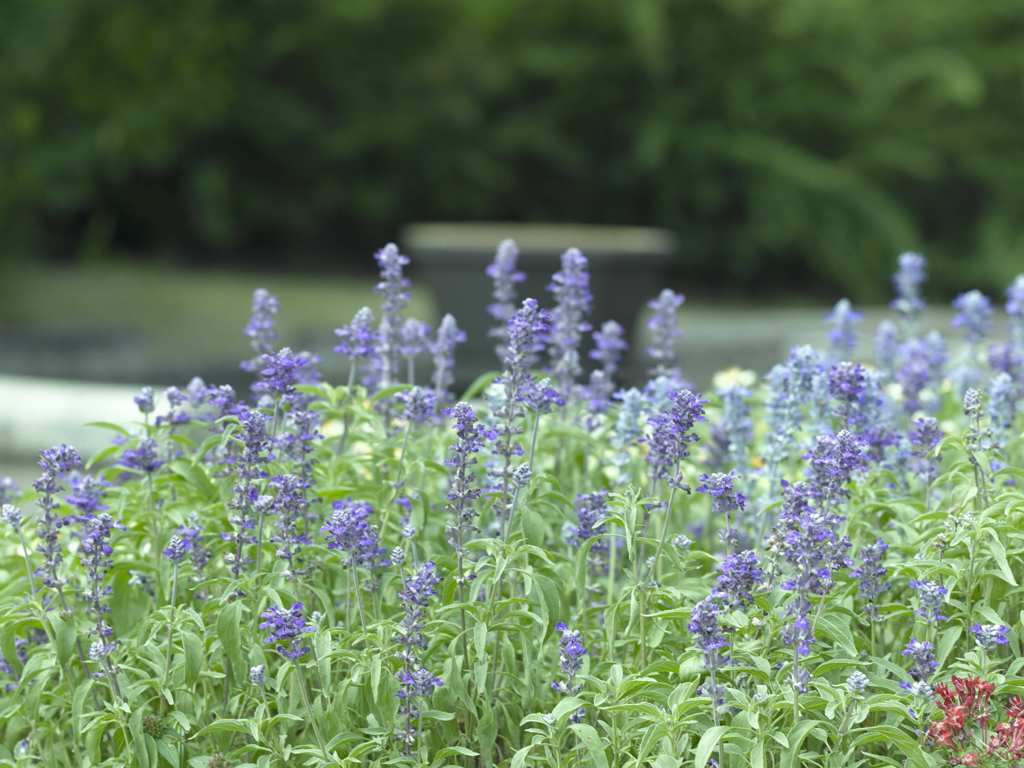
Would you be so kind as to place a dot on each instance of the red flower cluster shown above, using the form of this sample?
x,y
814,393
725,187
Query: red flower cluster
x,y
1008,740
964,727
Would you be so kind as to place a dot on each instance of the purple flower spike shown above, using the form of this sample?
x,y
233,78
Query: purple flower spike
x,y
843,336
931,596
349,530
442,349
261,329
871,576
570,288
974,315
505,276
922,659
286,630
358,339
990,636
570,659
671,433
907,281
739,575
418,404
665,332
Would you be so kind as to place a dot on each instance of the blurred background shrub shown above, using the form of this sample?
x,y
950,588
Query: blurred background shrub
x,y
794,146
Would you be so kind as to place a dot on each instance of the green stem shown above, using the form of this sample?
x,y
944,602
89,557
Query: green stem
x,y
309,711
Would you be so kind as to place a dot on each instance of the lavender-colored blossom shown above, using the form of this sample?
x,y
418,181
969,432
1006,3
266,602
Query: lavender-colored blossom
x,y
254,445
908,281
55,463
671,433
418,404
922,365
11,515
737,427
1003,395
809,383
807,538
261,329
413,337
739,575
281,371
143,457
922,660
463,490
198,402
630,419
290,509
8,489
990,636
349,530
86,494
394,289
857,682
442,349
144,401
541,397
1004,357
358,340
1015,310
925,434
871,576
176,549
96,551
258,675
417,589
570,288
832,464
709,637
930,597
505,276
843,337
726,501
847,383
887,346
974,315
189,542
782,417
414,681
286,630
609,347
665,332
570,659
527,331
591,512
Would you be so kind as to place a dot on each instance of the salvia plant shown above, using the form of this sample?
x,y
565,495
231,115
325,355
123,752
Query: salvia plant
x,y
819,566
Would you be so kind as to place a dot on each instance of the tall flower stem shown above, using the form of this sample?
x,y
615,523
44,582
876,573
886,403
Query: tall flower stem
x,y
664,532
304,688
170,627
28,564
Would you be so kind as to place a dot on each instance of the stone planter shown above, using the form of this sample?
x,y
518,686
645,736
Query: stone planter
x,y
628,266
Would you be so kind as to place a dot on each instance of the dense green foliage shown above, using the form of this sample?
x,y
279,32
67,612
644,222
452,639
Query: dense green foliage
x,y
153,528
772,135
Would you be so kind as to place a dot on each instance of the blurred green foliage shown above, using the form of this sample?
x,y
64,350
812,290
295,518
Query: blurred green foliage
x,y
788,142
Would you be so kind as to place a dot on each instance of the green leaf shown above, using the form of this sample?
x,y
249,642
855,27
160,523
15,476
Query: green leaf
x,y
592,742
565,706
519,758
480,383
707,744
791,758
999,553
228,631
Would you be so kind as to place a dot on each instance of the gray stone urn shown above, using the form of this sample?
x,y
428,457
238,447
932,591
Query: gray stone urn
x,y
628,266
